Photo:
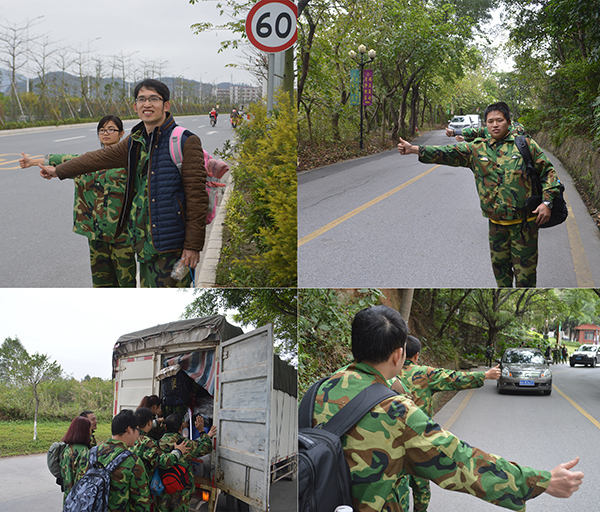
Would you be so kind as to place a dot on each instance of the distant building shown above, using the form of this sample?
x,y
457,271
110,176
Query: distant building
x,y
587,333
239,94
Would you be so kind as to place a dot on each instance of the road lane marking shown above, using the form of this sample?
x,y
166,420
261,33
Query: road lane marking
x,y
360,209
458,411
580,409
71,138
580,262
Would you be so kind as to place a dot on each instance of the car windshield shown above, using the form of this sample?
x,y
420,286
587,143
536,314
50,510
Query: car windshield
x,y
524,357
588,348
458,119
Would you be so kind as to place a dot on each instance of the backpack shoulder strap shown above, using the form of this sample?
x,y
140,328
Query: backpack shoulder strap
x,y
118,460
93,455
307,405
523,147
356,408
175,145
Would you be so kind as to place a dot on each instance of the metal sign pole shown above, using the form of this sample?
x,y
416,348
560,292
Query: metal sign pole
x,y
270,82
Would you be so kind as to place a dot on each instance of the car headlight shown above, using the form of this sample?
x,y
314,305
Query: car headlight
x,y
505,372
546,373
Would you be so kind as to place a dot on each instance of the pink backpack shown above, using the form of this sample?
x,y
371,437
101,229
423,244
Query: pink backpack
x,y
215,170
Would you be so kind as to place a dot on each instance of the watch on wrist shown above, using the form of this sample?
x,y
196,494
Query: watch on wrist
x,y
548,204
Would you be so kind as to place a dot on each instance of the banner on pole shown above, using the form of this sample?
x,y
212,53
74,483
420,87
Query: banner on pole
x,y
354,87
368,87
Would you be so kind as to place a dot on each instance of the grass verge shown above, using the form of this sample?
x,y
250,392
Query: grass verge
x,y
16,437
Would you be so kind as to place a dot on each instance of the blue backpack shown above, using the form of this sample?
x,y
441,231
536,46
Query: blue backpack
x,y
90,494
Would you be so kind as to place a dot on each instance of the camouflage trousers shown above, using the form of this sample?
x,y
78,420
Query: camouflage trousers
x,y
155,271
177,502
420,490
113,264
514,251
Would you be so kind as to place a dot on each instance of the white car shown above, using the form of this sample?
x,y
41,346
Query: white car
x,y
586,355
466,121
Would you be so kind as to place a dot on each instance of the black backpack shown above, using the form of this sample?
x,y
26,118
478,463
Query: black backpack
x,y
559,210
90,493
323,473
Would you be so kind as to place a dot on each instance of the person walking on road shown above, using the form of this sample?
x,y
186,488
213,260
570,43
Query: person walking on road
x,y
397,438
503,187
422,382
98,204
164,209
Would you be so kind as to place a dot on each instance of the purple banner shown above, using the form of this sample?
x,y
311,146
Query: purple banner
x,y
368,87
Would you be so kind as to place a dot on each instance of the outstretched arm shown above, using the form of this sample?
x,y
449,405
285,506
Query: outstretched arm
x,y
26,162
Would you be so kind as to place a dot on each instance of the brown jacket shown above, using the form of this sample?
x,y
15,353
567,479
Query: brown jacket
x,y
193,175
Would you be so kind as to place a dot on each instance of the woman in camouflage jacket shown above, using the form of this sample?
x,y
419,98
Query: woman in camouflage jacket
x,y
73,460
96,210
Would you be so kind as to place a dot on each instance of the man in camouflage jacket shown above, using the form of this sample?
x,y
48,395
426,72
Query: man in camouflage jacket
x,y
129,490
180,501
503,188
396,438
422,382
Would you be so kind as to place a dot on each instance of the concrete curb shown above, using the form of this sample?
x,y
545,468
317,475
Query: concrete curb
x,y
209,257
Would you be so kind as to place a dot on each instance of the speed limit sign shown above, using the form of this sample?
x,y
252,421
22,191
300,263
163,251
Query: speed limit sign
x,y
271,25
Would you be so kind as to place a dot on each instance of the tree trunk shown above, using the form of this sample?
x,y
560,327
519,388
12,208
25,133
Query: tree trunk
x,y
37,406
406,304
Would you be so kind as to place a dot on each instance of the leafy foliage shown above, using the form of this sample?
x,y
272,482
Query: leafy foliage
x,y
261,212
256,307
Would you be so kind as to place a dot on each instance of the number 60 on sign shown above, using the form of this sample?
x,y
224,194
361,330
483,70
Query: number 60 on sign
x,y
271,25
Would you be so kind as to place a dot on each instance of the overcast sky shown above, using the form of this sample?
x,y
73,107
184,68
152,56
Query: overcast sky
x,y
159,30
79,327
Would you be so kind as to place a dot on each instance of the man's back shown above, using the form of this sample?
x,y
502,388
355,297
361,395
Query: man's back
x,y
128,482
396,438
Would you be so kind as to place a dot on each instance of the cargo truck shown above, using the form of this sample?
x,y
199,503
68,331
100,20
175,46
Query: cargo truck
x,y
239,385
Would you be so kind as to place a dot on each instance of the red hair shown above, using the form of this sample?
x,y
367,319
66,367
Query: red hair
x,y
79,431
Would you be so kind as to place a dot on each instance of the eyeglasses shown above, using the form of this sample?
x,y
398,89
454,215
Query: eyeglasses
x,y
110,131
140,100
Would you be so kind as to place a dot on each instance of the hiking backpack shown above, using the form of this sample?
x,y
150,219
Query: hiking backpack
x,y
53,460
559,210
215,170
323,474
90,493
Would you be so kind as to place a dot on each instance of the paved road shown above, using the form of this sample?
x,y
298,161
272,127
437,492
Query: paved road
x,y
533,430
37,245
385,221
26,485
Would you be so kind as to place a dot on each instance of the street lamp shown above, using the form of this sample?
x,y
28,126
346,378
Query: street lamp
x,y
362,50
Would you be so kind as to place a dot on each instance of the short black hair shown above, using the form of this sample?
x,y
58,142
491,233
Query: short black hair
x,y
173,423
149,83
143,415
85,414
413,346
376,333
500,106
122,421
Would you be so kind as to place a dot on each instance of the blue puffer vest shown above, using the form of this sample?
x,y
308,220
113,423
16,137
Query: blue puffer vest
x,y
165,188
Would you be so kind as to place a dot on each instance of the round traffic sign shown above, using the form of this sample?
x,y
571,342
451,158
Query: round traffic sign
x,y
271,25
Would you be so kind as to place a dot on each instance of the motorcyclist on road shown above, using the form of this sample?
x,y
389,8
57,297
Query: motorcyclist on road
x,y
213,114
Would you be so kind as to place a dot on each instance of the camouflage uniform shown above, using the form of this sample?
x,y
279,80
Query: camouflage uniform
x,y
98,204
129,490
72,465
396,438
93,441
503,188
422,382
180,501
471,134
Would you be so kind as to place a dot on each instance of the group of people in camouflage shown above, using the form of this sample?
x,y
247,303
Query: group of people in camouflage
x,y
503,188
397,444
131,199
558,353
155,443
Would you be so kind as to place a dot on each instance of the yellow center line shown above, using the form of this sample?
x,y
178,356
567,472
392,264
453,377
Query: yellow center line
x,y
580,409
458,411
580,262
362,208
